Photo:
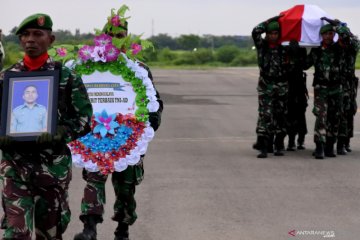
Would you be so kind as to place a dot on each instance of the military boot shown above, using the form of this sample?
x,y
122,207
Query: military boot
x,y
329,147
291,143
89,231
300,142
279,144
319,150
263,143
256,145
347,144
340,146
122,232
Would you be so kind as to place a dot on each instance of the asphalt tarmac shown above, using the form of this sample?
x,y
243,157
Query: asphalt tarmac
x,y
204,182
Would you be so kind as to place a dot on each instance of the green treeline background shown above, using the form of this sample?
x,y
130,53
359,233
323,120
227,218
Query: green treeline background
x,y
185,50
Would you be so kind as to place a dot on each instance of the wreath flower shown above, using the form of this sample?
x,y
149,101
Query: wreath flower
x,y
85,53
62,52
102,40
106,123
136,48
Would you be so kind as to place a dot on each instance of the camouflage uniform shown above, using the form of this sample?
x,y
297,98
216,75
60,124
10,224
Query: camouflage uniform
x,y
328,91
36,178
123,182
272,86
350,83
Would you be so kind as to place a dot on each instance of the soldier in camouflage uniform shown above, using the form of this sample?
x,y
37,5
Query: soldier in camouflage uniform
x,y
272,87
124,183
328,92
36,174
350,47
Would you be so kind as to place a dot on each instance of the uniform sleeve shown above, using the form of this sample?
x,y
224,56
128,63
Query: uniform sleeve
x,y
76,122
345,33
256,34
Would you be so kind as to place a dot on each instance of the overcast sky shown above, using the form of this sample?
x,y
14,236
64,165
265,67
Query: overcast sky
x,y
174,17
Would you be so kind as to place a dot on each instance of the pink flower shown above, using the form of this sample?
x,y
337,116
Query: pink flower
x,y
115,21
85,52
136,48
62,52
111,53
102,40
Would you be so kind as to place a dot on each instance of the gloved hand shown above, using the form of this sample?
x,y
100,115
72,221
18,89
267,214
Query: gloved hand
x,y
5,142
335,22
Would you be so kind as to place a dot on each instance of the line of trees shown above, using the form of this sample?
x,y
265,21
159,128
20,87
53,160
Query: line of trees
x,y
206,50
183,50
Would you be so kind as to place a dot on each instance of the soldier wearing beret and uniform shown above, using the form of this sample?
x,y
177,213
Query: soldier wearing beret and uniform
x,y
36,174
349,45
124,183
328,92
272,87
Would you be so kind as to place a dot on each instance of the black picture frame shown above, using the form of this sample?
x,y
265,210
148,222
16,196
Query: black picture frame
x,y
39,90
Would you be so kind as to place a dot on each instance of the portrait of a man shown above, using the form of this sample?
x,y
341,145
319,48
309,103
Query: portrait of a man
x,y
29,116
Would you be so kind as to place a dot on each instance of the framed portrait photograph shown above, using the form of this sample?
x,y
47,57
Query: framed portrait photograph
x,y
29,104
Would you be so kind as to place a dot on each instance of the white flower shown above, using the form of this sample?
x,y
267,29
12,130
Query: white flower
x,y
153,106
120,165
91,167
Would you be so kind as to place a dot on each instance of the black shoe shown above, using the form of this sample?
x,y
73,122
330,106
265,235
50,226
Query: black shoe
x,y
319,151
291,148
89,232
262,155
347,148
300,142
301,147
279,144
340,146
347,144
291,143
122,232
329,147
262,143
278,153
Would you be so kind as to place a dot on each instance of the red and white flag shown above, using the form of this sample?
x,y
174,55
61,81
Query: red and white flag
x,y
302,23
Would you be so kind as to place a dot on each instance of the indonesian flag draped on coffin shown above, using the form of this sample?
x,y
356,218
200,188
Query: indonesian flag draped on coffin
x,y
302,23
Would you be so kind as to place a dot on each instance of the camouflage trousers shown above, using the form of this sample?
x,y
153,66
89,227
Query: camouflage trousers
x,y
35,194
349,111
272,108
124,185
327,110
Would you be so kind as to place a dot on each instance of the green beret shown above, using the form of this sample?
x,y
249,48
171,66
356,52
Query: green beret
x,y
39,21
326,28
273,26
